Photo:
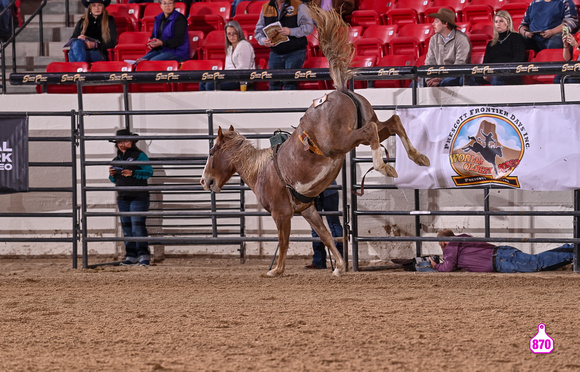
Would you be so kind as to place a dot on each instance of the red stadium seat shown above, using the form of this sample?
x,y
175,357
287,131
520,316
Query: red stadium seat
x,y
195,44
369,13
108,66
242,7
214,45
247,21
407,45
313,47
150,11
73,67
384,33
221,8
314,62
402,16
395,61
495,4
485,28
464,27
362,61
131,46
165,66
418,5
478,13
255,6
198,65
477,58
126,16
478,42
545,55
354,33
369,47
422,32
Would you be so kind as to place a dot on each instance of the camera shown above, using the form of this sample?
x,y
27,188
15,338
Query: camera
x,y
118,170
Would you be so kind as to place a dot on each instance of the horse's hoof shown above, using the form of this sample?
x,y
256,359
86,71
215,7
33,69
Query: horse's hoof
x,y
387,170
423,160
273,273
337,272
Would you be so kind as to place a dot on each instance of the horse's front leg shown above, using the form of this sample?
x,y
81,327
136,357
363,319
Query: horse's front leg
x,y
394,126
311,215
283,223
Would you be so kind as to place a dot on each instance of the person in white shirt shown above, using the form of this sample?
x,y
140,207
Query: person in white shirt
x,y
239,56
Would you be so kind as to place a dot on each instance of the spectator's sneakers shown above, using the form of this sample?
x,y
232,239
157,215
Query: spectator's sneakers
x,y
129,261
144,263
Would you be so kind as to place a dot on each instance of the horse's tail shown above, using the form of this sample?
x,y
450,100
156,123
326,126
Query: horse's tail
x,y
334,44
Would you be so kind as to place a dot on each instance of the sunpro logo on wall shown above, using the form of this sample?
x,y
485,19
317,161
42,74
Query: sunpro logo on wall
x,y
13,154
486,147
527,147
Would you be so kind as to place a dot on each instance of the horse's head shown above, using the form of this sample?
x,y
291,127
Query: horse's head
x,y
218,168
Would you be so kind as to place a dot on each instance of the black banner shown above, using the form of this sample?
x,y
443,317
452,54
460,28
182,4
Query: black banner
x,y
13,154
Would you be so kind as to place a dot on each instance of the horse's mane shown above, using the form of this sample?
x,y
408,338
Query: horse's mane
x,y
250,161
334,44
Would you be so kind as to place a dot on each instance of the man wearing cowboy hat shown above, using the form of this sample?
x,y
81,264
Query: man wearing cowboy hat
x,y
449,46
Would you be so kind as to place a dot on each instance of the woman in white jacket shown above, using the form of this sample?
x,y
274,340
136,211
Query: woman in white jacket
x,y
239,56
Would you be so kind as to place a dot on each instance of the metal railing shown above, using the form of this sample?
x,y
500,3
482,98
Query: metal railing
x,y
14,32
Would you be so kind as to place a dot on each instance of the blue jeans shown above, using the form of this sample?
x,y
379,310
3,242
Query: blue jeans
x,y
5,19
554,42
226,85
156,55
292,60
134,226
512,260
327,203
79,53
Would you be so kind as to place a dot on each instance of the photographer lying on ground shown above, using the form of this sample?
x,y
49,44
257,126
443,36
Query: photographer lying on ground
x,y
485,257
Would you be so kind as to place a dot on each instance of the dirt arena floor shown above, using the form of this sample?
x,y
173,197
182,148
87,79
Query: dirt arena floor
x,y
218,315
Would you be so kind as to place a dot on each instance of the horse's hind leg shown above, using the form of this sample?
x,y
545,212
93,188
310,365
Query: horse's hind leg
x,y
394,126
311,215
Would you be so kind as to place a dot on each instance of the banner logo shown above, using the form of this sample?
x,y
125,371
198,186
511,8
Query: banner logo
x,y
485,146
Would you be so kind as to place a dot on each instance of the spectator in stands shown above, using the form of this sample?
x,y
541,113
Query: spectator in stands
x,y
543,22
296,25
344,7
94,34
506,46
327,201
449,46
5,20
485,257
132,201
570,49
239,56
168,40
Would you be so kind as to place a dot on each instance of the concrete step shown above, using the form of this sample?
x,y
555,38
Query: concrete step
x,y
32,49
48,33
54,20
59,7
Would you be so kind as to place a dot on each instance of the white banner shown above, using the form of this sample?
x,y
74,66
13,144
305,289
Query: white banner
x,y
530,148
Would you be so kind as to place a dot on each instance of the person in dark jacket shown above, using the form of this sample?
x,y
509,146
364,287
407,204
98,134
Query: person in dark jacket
x,y
94,34
296,24
132,201
507,46
327,201
169,41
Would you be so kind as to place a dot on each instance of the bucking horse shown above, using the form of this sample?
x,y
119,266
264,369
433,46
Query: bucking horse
x,y
287,179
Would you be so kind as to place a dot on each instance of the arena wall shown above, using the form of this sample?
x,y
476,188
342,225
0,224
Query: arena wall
x,y
264,123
